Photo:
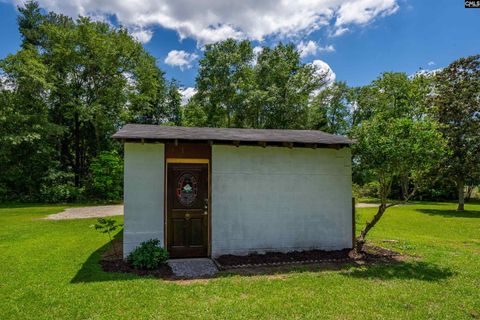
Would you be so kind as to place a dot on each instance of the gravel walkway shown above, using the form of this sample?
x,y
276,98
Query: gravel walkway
x,y
193,268
87,212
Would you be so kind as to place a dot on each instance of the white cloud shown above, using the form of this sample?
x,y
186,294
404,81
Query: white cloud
x,y
307,49
142,35
329,48
187,93
323,70
208,21
364,11
311,48
180,58
431,63
257,50
339,31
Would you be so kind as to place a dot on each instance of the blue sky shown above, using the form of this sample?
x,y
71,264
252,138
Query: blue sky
x,y
358,39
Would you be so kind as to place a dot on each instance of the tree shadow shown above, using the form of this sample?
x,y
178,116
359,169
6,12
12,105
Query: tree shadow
x,y
374,266
406,270
451,213
91,270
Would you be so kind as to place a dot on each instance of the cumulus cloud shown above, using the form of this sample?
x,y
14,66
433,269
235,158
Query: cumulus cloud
x,y
311,48
323,70
180,58
143,36
329,48
306,49
187,93
207,21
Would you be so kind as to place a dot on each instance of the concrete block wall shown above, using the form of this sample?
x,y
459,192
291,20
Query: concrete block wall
x,y
143,194
280,199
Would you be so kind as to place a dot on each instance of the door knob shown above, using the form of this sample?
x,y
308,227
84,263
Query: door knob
x,y
187,216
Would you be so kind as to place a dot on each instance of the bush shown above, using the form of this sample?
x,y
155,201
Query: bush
x,y
107,176
58,186
368,190
149,255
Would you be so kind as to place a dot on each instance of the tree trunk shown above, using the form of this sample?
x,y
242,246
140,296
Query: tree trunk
x,y
404,181
461,194
468,196
77,149
360,240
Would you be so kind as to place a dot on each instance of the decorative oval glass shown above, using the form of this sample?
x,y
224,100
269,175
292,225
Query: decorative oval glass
x,y
186,189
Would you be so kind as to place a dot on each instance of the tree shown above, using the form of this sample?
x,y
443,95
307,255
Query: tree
x,y
220,71
237,89
386,147
394,95
174,104
70,86
456,100
286,87
108,226
331,109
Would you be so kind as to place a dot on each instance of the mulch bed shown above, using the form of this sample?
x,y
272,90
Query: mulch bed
x,y
111,261
119,265
372,254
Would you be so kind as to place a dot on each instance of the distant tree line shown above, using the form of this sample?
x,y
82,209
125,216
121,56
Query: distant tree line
x,y
73,83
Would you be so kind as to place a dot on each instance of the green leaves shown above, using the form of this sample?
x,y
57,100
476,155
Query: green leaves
x,y
238,89
105,225
149,255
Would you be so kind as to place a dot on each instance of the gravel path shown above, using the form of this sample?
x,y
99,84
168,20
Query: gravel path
x,y
193,268
87,212
366,205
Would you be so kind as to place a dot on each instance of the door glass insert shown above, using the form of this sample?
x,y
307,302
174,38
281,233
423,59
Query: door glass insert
x,y
186,189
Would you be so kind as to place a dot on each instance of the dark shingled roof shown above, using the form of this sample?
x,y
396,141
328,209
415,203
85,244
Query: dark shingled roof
x,y
162,133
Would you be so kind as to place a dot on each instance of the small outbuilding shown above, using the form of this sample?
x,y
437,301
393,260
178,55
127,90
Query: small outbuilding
x,y
212,191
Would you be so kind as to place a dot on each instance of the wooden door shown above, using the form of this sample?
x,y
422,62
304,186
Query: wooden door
x,y
187,209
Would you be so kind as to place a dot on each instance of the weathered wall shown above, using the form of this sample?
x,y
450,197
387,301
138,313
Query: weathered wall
x,y
144,194
280,199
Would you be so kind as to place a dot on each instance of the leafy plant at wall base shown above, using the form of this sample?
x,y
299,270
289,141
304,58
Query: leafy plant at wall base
x,y
149,255
108,226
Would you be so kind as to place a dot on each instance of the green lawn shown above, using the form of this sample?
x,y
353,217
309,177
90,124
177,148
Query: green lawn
x,y
49,270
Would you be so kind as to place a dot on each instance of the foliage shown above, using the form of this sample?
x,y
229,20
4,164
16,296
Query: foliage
x,y
107,176
331,108
237,88
149,255
396,141
57,187
108,226
367,190
71,85
456,99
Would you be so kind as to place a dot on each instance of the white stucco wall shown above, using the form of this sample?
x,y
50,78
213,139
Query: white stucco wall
x,y
280,199
143,194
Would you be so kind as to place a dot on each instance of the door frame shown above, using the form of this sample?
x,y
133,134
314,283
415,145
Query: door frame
x,y
165,197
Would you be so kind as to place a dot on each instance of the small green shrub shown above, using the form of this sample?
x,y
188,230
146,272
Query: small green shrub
x,y
58,186
149,255
108,226
368,190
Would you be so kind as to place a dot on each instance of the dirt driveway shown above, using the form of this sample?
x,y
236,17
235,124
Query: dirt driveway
x,y
87,212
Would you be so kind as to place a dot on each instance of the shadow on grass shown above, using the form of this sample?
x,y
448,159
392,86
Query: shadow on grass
x,y
451,213
91,270
407,270
383,268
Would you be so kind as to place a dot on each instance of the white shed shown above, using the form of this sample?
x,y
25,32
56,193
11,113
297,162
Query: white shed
x,y
209,191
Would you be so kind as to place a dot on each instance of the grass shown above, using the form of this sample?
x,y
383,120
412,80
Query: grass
x,y
49,270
